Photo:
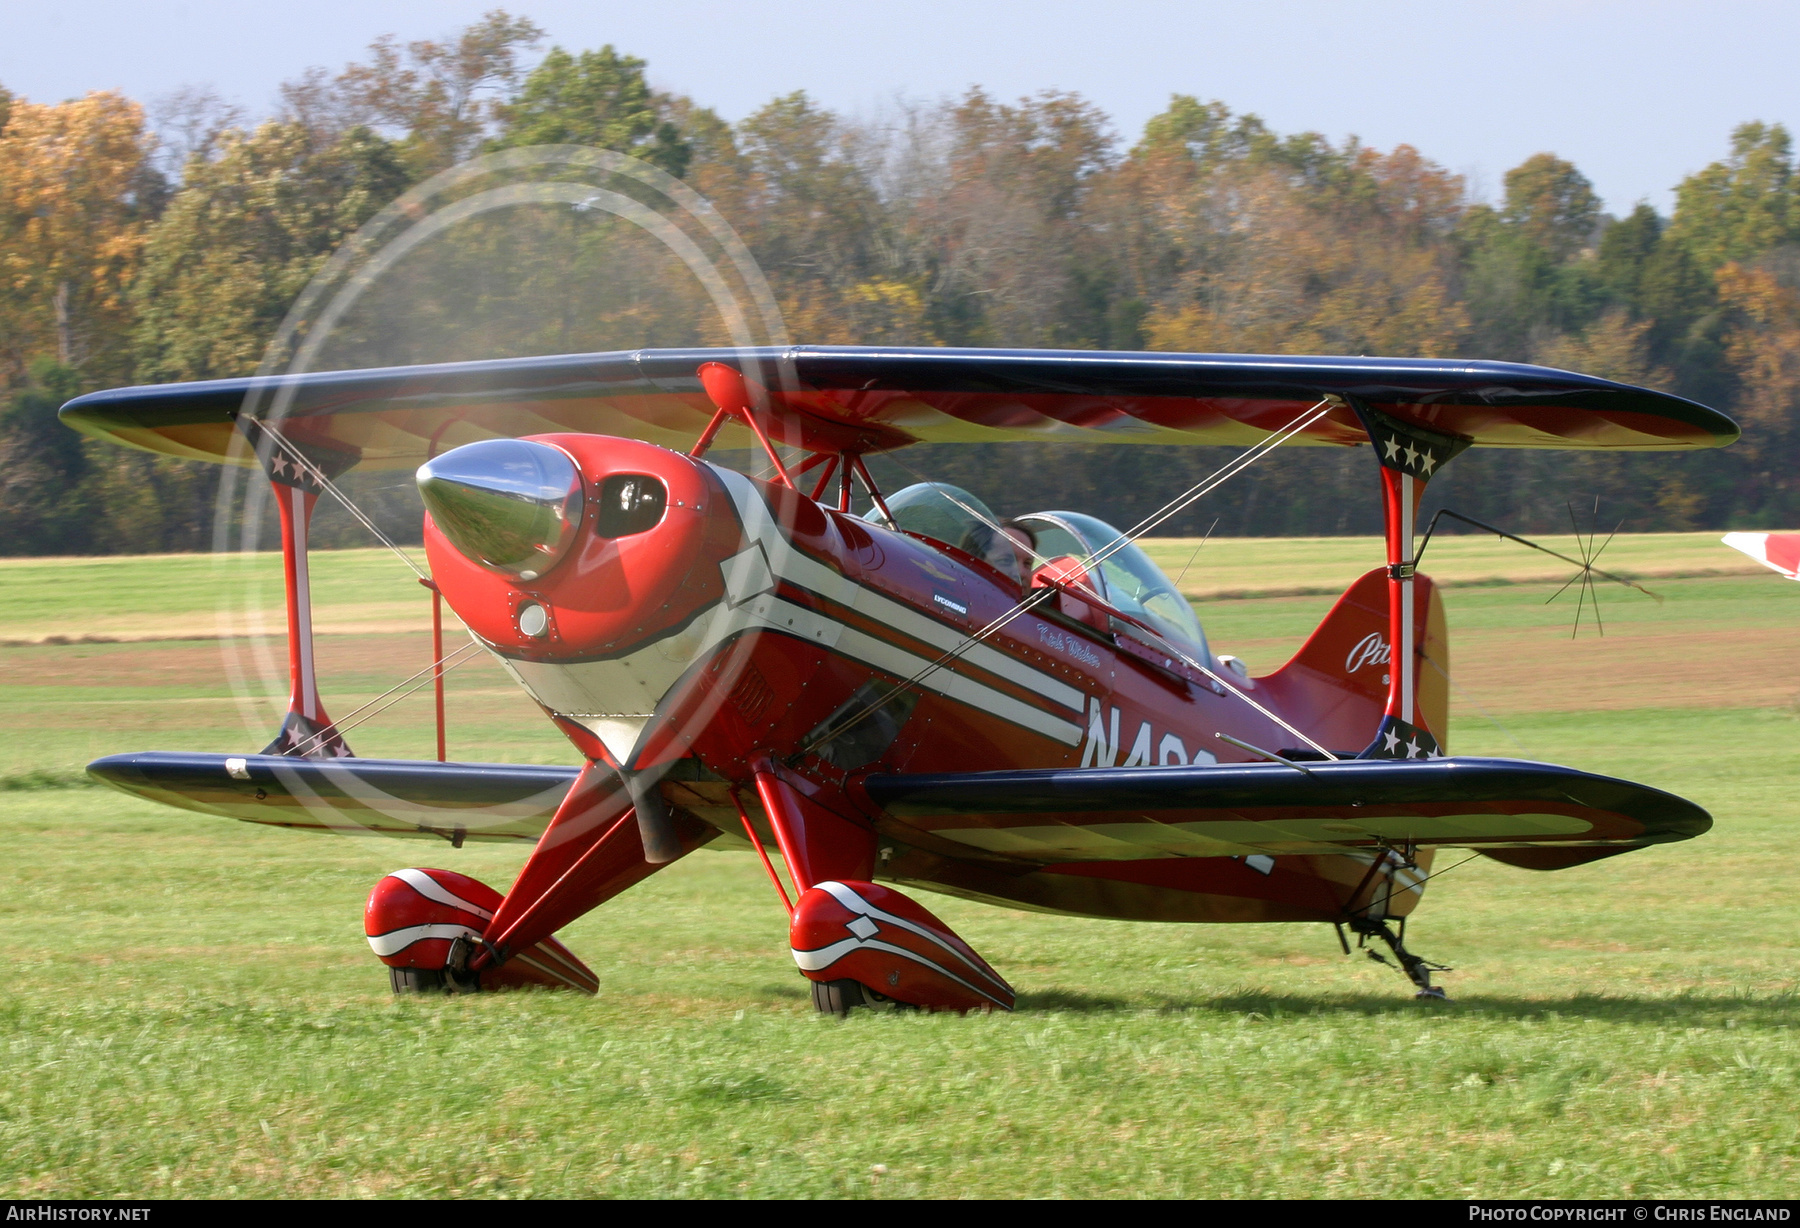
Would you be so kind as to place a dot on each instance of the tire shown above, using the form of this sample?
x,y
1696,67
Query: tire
x,y
417,980
841,997
837,997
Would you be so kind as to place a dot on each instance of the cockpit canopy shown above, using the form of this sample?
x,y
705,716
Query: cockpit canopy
x,y
952,515
1125,579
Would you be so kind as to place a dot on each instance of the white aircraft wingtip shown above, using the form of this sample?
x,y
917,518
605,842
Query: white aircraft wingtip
x,y
1776,551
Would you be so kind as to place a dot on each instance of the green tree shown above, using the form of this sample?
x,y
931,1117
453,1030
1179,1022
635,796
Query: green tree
x,y
243,237
1626,250
1528,270
42,467
1658,283
1200,133
597,98
1740,207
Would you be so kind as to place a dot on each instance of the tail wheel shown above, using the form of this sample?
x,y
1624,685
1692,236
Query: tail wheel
x,y
841,997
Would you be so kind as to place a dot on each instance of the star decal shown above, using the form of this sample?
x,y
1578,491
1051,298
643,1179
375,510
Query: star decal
x,y
1393,741
1393,449
1426,461
1412,456
1412,749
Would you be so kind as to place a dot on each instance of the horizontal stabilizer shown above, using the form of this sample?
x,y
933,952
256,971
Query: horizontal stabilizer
x,y
389,797
1229,810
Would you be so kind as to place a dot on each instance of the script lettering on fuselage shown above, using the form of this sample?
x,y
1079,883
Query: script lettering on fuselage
x,y
1068,645
1371,649
1101,746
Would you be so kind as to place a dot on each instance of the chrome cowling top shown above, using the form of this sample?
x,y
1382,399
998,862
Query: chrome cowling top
x,y
512,505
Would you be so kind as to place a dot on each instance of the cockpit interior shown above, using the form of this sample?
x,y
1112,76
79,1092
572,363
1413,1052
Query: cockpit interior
x,y
1063,544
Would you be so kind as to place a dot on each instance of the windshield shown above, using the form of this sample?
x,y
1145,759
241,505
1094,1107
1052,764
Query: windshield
x,y
951,515
1129,581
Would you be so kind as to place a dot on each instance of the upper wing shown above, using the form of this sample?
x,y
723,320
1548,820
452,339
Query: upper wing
x,y
1127,814
390,797
869,399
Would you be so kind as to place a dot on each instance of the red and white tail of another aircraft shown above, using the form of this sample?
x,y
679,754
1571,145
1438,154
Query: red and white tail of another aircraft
x,y
1776,551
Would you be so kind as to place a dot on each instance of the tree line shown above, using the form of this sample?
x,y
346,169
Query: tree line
x,y
143,248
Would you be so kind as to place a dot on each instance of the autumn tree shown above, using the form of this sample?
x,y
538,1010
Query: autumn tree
x,y
998,230
1551,205
1292,245
803,194
438,100
76,193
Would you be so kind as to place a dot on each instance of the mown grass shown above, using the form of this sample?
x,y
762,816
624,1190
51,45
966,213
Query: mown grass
x,y
191,1010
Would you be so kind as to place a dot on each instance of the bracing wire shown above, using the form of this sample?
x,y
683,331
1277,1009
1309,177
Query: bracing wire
x,y
1473,703
462,656
330,487
1207,484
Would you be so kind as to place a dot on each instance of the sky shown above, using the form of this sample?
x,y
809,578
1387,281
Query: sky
x,y
1637,94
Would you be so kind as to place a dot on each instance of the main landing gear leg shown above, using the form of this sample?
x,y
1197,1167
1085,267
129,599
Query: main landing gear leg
x,y
1417,970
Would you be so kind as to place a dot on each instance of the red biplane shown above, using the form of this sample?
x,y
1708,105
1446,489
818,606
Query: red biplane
x,y
1023,711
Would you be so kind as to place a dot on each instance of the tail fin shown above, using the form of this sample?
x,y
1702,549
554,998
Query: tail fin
x,y
1336,686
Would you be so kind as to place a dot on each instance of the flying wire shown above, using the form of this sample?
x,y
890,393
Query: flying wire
x,y
1211,482
1470,700
1440,873
330,487
462,656
1196,553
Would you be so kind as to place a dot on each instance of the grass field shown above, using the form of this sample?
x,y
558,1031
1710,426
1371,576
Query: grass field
x,y
192,1011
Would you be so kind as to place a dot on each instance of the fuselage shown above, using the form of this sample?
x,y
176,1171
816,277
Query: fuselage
x,y
739,621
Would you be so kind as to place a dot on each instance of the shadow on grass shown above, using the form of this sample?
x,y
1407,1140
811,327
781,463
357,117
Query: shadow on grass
x,y
790,992
1688,1010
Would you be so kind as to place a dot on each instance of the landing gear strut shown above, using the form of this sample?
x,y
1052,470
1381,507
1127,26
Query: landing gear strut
x,y
1417,970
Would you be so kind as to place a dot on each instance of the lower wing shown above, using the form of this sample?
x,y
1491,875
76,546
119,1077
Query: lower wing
x,y
389,797
1536,815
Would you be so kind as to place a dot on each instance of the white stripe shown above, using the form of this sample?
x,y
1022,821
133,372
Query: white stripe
x,y
848,897
615,698
431,889
868,649
309,687
594,692
565,969
814,576
1406,600
396,941
553,973
824,957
